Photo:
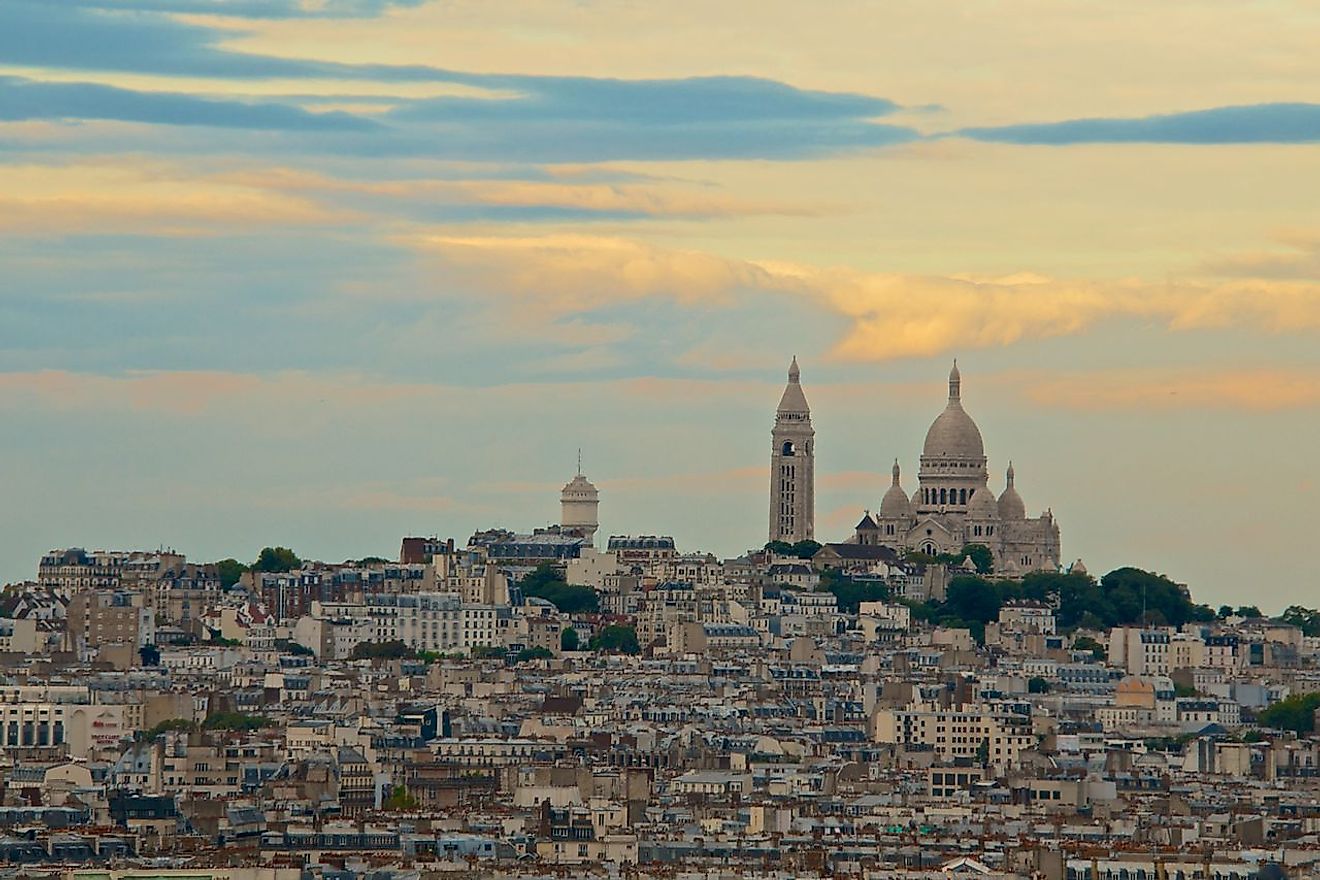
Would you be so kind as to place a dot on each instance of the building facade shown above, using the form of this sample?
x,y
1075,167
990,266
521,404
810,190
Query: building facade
x,y
953,505
792,466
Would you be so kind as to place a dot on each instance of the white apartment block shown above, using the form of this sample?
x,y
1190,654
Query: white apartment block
x,y
959,731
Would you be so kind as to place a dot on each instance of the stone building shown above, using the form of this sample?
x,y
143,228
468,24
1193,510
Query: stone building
x,y
954,506
579,503
792,466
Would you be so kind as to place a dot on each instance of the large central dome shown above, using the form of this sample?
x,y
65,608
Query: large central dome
x,y
953,434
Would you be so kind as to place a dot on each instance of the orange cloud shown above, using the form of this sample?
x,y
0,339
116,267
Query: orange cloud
x,y
123,196
891,315
1251,390
651,199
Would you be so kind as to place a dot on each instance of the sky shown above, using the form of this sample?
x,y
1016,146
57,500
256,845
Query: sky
x,y
323,274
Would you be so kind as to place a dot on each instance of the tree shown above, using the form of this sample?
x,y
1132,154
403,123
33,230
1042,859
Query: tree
x,y
394,649
981,556
1296,713
545,582
236,721
850,593
276,559
369,560
533,654
230,570
1086,643
1038,685
150,655
616,639
1308,619
806,549
298,650
166,726
399,799
1249,611
568,639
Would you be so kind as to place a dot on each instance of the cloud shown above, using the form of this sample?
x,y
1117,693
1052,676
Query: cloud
x,y
567,273
253,8
1251,390
1248,124
889,315
22,99
1300,261
511,117
435,199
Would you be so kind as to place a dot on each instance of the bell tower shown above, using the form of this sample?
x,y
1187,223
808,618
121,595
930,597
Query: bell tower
x,y
792,466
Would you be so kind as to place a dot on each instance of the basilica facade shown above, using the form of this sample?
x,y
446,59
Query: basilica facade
x,y
953,505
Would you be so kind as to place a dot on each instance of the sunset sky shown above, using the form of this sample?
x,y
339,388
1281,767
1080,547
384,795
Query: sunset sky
x,y
323,274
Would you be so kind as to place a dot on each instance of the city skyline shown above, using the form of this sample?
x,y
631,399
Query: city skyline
x,y
321,274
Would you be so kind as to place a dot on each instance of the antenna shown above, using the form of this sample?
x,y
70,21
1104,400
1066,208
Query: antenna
x,y
579,461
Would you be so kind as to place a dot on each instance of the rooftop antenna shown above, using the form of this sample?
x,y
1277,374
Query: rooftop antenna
x,y
579,461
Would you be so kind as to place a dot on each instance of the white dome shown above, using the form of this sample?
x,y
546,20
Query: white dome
x,y
982,505
895,504
953,434
1010,503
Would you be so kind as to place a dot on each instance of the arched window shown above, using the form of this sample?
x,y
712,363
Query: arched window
x,y
944,496
788,448
962,495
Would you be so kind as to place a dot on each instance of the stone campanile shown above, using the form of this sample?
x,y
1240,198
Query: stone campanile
x,y
792,466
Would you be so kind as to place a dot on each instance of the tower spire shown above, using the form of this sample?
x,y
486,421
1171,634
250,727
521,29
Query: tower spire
x,y
794,374
895,472
955,382
1010,475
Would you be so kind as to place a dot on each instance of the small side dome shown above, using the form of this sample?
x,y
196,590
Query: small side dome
x,y
1077,567
895,504
1010,503
982,505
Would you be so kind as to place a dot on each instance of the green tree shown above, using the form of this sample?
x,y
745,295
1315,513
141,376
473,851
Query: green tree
x,y
851,593
399,800
298,650
981,556
277,559
568,639
1038,685
806,549
1296,713
1308,619
1249,611
779,548
488,652
236,721
230,570
166,726
545,582
973,599
394,649
1086,643
616,639
533,654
